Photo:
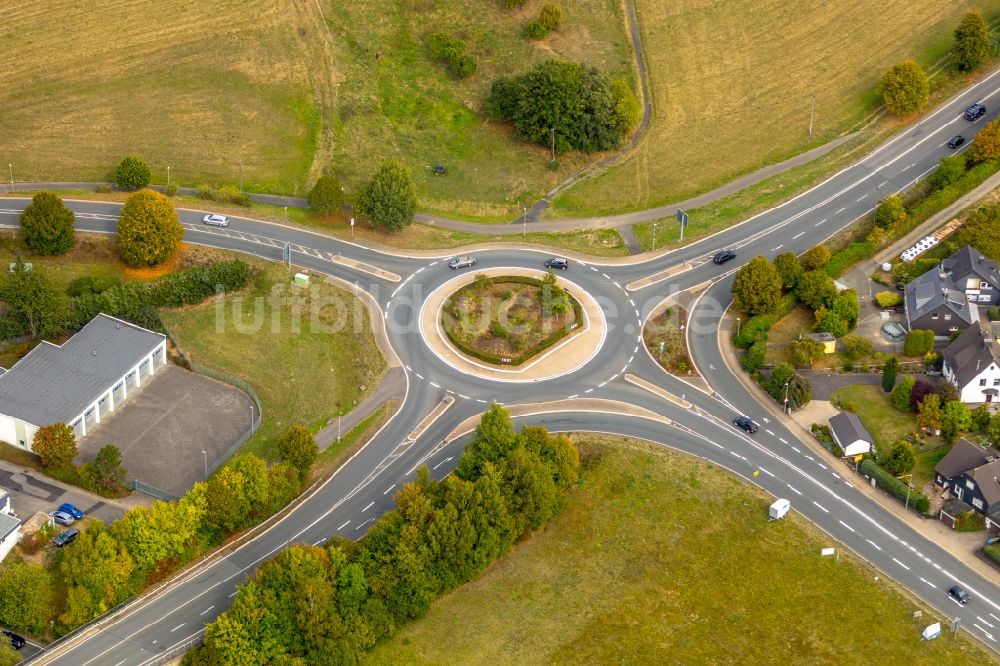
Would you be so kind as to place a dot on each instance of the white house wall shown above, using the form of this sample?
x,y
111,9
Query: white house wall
x,y
972,392
9,431
8,544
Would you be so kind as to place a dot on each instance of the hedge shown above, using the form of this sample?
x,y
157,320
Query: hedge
x,y
762,323
894,486
542,345
847,257
992,551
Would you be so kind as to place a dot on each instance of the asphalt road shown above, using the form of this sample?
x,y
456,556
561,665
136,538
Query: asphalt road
x,y
364,487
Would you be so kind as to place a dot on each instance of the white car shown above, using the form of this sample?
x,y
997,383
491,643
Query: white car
x,y
216,220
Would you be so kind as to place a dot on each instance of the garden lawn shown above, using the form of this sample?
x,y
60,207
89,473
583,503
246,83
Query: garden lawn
x,y
886,423
663,559
302,375
733,86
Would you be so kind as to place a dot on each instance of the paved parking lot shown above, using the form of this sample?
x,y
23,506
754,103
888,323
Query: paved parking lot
x,y
31,491
164,427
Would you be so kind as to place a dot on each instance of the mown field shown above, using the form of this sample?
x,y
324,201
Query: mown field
x,y
663,559
733,83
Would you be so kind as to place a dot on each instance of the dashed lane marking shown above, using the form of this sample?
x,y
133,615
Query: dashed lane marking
x,y
820,222
769,433
900,564
874,545
928,582
846,525
766,472
370,520
782,440
840,211
799,235
344,525
389,489
207,609
370,505
825,510
178,627
793,489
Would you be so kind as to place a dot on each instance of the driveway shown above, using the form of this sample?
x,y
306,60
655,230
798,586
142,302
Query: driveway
x,y
164,427
31,491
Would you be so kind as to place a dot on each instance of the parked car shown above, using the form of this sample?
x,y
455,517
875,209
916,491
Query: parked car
x,y
724,256
959,594
71,509
62,517
956,141
557,262
462,262
745,423
975,111
16,642
216,220
66,538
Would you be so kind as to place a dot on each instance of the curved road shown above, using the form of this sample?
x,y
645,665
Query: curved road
x,y
363,488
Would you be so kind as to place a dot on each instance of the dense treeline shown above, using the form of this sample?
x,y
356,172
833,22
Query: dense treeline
x,y
328,605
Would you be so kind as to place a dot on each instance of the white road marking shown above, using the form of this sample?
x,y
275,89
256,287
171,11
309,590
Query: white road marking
x,y
442,462
573,396
794,448
636,349
418,270
848,484
630,358
825,510
928,582
463,396
821,465
782,440
588,390
769,433
481,400
602,384
419,375
606,276
820,222
433,263
370,505
775,249
900,564
846,525
370,520
737,455
801,233
766,472
793,489
862,198
840,211
994,617
637,315
874,545
207,609
631,302
810,457
984,622
908,166
435,385
234,593
344,525
389,489
988,635
178,627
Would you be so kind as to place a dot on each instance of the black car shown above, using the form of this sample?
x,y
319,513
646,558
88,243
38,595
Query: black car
x,y
724,256
557,262
959,595
956,141
67,537
745,423
16,641
975,111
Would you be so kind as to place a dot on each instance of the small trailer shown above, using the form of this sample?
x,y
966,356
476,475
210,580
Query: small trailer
x,y
779,509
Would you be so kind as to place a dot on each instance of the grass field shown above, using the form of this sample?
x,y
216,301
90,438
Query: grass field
x,y
309,354
663,559
733,82
193,86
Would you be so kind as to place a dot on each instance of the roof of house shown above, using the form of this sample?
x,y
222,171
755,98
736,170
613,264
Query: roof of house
x,y
53,384
988,479
964,455
934,289
8,524
972,352
955,507
969,260
847,428
822,336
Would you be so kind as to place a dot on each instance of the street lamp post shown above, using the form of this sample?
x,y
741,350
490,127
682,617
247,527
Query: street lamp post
x,y
168,177
811,111
552,131
737,327
909,486
654,237
251,419
524,223
352,228
786,397
205,453
11,177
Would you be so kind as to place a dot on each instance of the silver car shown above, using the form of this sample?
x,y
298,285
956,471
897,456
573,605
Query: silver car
x,y
62,517
462,262
216,220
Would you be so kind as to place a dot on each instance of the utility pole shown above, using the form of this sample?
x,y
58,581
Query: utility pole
x,y
811,111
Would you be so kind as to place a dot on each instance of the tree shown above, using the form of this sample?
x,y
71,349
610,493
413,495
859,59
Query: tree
x,y
955,419
34,302
993,431
972,42
8,656
950,170
326,196
948,392
901,393
856,347
148,229
921,389
571,104
47,225
298,448
493,439
753,360
845,304
389,199
987,145
901,458
829,321
132,173
781,374
757,287
815,258
890,212
26,596
55,444
789,268
107,468
816,289
981,419
99,565
889,374
555,300
806,351
905,88
929,412
918,342
799,391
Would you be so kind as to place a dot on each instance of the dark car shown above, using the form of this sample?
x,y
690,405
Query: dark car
x,y
975,111
557,262
462,262
724,256
71,509
62,517
956,141
67,537
16,641
959,595
745,423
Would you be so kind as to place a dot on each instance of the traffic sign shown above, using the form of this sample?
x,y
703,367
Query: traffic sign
x,y
286,254
682,217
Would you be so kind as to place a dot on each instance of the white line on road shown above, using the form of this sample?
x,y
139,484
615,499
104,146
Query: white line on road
x,y
207,609
782,440
435,385
593,268
875,545
464,397
988,635
994,617
766,472
573,396
631,302
796,449
738,455
419,375
344,525
370,505
840,211
636,349
820,222
769,433
821,465
862,198
606,276
846,525
801,233
988,624
178,627
481,400
810,457
908,166
121,662
234,593
793,489
900,564
630,358
441,463
588,390
775,249
928,582
825,510
602,384
370,520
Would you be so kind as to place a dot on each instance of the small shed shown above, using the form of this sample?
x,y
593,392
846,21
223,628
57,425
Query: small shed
x,y
850,434
951,510
826,339
10,533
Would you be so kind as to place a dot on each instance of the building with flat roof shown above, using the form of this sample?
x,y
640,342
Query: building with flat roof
x,y
79,382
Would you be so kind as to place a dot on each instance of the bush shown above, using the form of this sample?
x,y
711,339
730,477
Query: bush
x,y
549,18
326,196
901,394
584,106
950,170
91,284
55,444
892,485
848,406
170,190
856,347
389,199
992,551
918,342
753,360
47,225
223,194
847,257
890,213
148,229
905,88
888,299
451,51
987,143
132,173
815,258
921,389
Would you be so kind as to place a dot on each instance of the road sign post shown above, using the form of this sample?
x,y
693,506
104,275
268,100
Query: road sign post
x,y
682,217
286,255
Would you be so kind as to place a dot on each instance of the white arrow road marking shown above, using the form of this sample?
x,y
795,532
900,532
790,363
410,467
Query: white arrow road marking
x,y
442,462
